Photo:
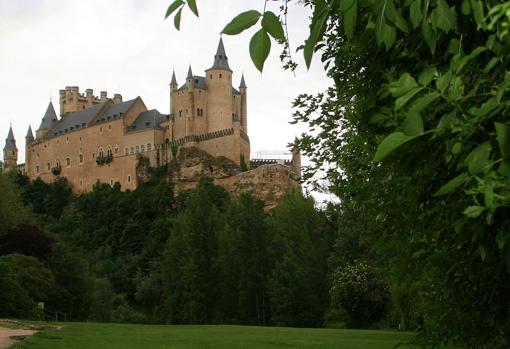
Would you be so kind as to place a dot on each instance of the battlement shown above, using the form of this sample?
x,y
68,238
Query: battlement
x,y
200,138
71,100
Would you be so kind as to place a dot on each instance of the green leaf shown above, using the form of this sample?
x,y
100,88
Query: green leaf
x,y
443,82
241,22
478,160
173,6
380,24
395,17
503,87
350,18
475,53
260,45
192,4
427,75
177,19
423,102
465,7
401,101
413,124
415,13
390,144
317,27
404,84
483,252
503,137
272,25
477,7
452,184
443,17
474,211
457,147
344,5
390,35
501,239
429,36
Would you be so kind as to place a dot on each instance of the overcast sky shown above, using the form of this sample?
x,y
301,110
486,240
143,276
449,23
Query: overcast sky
x,y
125,46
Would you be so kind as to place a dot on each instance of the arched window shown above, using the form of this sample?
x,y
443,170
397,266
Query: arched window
x,y
68,162
81,158
142,148
131,150
57,162
101,152
110,152
48,166
149,146
126,151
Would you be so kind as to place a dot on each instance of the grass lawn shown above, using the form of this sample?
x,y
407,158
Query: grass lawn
x,y
119,336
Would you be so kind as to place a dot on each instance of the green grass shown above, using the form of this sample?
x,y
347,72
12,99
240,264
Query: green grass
x,y
117,336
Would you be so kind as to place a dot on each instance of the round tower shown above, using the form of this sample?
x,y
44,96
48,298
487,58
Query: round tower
x,y
219,85
244,107
10,151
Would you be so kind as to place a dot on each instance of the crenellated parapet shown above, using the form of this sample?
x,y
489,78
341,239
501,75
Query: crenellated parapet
x,y
71,100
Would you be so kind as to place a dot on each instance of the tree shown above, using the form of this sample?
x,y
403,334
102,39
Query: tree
x,y
26,239
362,293
12,210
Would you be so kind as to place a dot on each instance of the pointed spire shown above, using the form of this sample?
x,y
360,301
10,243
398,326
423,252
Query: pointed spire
x,y
30,135
10,142
174,80
190,73
220,58
242,84
49,118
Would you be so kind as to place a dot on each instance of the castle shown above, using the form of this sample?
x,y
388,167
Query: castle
x,y
101,139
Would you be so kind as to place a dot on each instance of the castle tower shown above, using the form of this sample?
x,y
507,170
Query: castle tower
x,y
10,151
29,138
190,111
219,83
48,121
173,88
244,108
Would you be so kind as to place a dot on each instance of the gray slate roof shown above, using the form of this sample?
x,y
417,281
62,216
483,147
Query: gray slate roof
x,y
83,118
220,58
30,134
199,82
242,84
148,119
76,120
49,119
10,142
174,80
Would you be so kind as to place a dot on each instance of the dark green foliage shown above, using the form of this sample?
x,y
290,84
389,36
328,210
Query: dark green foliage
x,y
24,282
361,292
244,167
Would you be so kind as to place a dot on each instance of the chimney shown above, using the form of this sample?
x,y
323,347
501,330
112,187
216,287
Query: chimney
x,y
117,98
103,96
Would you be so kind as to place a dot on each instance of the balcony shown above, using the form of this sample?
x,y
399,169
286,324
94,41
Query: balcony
x,y
104,160
57,170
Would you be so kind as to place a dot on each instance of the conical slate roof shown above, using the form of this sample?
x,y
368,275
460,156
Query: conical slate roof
x,y
10,142
220,58
30,135
242,84
190,73
49,118
174,80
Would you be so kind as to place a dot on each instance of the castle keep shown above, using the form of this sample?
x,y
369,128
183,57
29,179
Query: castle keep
x,y
96,138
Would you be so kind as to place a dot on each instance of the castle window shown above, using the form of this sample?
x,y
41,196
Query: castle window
x,y
142,148
80,138
37,169
109,127
48,166
110,153
129,179
148,146
83,107
68,162
220,76
126,151
67,139
93,155
116,150
211,76
132,150
137,149
100,129
81,158
111,182
180,112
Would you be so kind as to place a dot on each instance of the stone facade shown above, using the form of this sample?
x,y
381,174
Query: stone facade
x,y
96,138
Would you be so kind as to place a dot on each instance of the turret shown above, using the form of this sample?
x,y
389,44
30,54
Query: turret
x,y
190,80
48,121
220,107
10,150
244,107
173,88
173,83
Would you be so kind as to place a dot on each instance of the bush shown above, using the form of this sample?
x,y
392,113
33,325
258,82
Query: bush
x,y
361,292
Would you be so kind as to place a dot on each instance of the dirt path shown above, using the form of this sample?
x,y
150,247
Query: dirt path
x,y
6,333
